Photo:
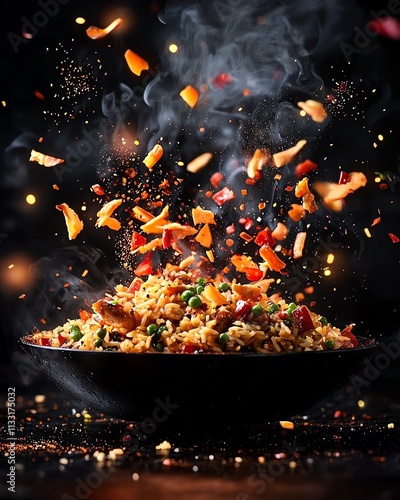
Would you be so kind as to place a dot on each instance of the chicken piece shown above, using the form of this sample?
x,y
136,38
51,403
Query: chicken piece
x,y
115,315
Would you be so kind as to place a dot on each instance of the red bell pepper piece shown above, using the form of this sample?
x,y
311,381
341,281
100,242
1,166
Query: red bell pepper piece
x,y
46,342
253,273
223,196
145,267
346,332
242,309
61,339
265,237
304,167
344,177
137,241
167,238
302,319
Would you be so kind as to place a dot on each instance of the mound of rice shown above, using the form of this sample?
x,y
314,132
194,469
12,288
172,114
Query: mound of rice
x,y
178,312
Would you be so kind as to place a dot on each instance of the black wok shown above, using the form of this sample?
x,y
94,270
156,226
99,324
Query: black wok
x,y
189,389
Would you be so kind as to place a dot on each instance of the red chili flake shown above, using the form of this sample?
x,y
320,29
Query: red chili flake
x,y
216,179
230,229
304,168
223,196
97,189
39,95
394,238
376,221
247,222
344,177
388,27
222,80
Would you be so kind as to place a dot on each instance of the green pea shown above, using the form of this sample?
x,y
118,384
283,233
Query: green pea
x,y
101,333
98,342
323,321
257,309
199,289
223,287
223,338
161,329
330,344
273,308
76,333
158,346
195,301
292,306
201,282
152,329
186,295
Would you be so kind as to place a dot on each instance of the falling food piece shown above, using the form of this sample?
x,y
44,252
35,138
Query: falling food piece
x,y
314,109
284,157
303,191
298,245
94,32
204,237
216,179
74,224
190,95
394,238
286,424
273,261
333,194
153,156
259,159
388,27
104,215
45,160
156,224
39,95
243,262
142,214
201,216
198,163
296,212
136,63
280,232
97,189
179,231
304,168
223,196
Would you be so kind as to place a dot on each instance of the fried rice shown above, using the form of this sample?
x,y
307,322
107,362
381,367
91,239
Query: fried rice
x,y
177,311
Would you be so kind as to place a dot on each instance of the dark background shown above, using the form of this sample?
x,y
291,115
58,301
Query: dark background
x,y
368,290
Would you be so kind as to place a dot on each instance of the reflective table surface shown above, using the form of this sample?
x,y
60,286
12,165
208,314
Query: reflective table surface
x,y
347,446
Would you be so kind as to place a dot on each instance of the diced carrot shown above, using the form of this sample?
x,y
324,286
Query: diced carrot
x,y
296,212
201,216
270,257
156,224
280,232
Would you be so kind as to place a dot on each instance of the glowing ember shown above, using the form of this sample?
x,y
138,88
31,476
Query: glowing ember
x,y
94,32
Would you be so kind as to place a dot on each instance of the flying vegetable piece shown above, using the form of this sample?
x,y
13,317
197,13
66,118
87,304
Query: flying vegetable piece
x,y
272,260
259,159
201,216
136,63
304,168
303,191
199,162
153,156
190,95
298,245
333,194
314,109
45,160
104,215
74,224
94,32
296,212
280,232
224,195
204,236
286,156
156,224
